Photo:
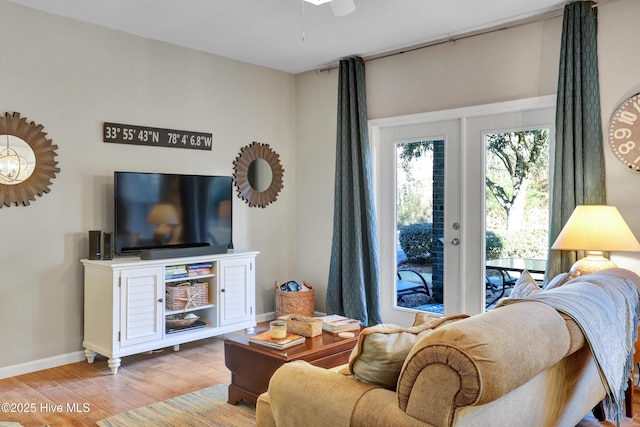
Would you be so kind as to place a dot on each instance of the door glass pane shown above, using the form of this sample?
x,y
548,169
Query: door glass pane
x,y
420,225
517,208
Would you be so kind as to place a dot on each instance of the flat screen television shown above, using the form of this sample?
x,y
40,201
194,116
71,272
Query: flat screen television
x,y
161,211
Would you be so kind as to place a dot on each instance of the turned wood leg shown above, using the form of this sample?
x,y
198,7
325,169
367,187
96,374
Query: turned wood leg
x,y
114,364
90,355
249,330
176,347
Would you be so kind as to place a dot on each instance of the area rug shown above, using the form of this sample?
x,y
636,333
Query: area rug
x,y
206,407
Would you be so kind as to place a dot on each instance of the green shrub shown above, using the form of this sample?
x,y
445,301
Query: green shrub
x,y
416,241
527,243
494,245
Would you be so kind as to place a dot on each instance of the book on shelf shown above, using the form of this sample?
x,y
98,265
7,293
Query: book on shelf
x,y
175,271
199,269
264,338
335,323
200,265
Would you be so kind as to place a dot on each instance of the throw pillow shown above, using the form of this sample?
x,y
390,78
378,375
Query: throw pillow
x,y
525,286
560,280
424,317
379,355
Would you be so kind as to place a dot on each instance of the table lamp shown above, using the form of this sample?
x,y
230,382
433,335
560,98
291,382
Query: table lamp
x,y
166,218
595,228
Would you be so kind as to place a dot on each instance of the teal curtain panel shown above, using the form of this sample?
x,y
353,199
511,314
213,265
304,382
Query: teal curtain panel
x,y
353,289
578,173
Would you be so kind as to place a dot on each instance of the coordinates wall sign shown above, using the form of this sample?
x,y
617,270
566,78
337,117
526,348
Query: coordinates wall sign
x,y
158,137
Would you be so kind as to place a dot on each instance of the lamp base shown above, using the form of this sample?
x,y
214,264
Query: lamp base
x,y
593,262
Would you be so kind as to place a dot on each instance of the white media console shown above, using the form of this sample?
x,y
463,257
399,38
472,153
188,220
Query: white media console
x,y
126,307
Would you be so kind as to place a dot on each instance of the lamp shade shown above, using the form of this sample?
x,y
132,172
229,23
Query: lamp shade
x,y
596,228
163,214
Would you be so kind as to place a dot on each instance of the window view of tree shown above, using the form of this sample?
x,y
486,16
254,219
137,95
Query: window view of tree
x,y
517,196
415,183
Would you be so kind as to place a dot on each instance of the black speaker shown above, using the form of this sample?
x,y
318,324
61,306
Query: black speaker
x,y
107,249
94,244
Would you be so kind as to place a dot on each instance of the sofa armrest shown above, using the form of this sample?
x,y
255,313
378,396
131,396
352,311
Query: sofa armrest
x,y
301,394
479,359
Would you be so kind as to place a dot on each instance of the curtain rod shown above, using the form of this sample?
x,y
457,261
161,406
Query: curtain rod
x,y
509,25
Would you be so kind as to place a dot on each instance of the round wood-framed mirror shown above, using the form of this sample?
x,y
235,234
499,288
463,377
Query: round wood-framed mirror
x,y
258,174
27,160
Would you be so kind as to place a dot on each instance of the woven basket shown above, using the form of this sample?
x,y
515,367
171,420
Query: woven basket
x,y
300,303
303,325
187,295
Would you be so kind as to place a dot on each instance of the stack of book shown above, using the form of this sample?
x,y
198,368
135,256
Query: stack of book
x,y
175,272
264,338
199,269
335,323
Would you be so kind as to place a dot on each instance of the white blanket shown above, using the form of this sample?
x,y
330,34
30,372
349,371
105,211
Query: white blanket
x,y
606,307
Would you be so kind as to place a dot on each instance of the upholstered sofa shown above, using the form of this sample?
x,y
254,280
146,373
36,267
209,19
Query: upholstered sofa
x,y
521,364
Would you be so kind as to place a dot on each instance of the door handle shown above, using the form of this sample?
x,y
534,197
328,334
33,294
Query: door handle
x,y
455,241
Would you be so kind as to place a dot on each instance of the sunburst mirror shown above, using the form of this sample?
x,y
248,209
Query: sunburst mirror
x,y
258,174
27,160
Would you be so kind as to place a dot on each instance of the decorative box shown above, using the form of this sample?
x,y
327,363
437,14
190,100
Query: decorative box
x,y
303,325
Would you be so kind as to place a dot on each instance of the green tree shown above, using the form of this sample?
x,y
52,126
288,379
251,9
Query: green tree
x,y
512,158
414,188
414,150
516,155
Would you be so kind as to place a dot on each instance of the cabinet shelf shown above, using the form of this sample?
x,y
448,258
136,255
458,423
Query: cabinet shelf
x,y
188,310
188,278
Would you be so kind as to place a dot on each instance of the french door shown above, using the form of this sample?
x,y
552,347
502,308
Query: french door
x,y
460,240
442,144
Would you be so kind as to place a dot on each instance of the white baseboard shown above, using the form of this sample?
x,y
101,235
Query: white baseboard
x,y
265,317
38,365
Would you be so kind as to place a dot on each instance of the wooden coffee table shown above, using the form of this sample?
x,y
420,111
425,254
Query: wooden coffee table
x,y
252,365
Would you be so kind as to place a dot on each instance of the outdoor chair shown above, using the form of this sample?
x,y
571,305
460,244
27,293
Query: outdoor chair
x,y
411,282
497,280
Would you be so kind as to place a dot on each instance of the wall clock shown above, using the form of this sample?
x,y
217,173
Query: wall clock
x,y
624,133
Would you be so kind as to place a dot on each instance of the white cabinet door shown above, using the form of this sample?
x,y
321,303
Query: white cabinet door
x,y
141,305
237,293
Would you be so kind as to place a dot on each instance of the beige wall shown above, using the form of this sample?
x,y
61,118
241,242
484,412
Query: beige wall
x,y
71,77
501,66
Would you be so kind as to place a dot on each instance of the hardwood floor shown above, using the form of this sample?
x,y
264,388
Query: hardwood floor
x,y
79,394
142,379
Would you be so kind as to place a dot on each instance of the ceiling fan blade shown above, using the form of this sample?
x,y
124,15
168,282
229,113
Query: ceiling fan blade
x,y
342,7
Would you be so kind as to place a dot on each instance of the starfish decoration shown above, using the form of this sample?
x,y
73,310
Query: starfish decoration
x,y
189,298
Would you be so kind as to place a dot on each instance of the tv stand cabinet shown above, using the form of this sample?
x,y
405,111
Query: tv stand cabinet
x,y
125,304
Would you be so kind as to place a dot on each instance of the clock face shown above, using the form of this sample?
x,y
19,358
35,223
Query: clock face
x,y
624,133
